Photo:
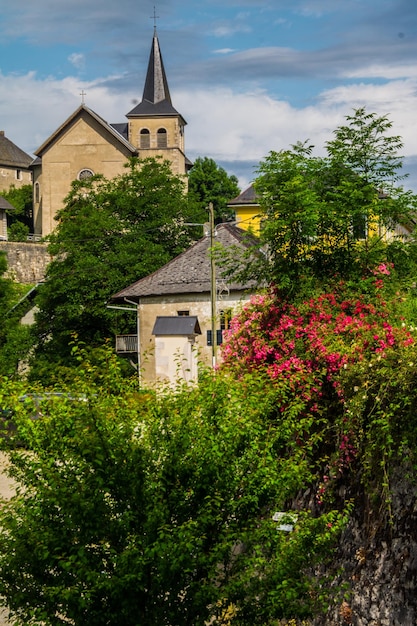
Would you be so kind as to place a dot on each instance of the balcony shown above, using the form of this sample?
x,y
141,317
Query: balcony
x,y
126,345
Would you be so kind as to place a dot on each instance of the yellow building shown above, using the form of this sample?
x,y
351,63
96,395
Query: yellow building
x,y
247,210
85,144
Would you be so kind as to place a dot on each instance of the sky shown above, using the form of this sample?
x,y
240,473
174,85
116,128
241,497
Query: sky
x,y
248,76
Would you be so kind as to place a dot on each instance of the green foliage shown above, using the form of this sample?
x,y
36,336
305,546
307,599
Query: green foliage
x,y
15,339
350,360
208,182
336,214
109,234
18,231
138,508
21,199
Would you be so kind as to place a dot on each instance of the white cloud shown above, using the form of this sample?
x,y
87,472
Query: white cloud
x,y
224,51
77,59
223,124
385,71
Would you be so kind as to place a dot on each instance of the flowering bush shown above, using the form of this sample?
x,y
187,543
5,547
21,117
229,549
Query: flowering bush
x,y
337,352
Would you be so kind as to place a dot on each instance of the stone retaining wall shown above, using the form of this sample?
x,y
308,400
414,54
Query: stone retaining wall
x,y
26,262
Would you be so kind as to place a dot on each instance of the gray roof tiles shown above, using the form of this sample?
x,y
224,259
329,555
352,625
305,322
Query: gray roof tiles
x,y
156,99
5,205
248,196
190,272
11,155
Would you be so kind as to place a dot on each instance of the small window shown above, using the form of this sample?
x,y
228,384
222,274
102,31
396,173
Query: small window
x,y
18,174
83,174
37,193
145,138
183,313
162,140
225,317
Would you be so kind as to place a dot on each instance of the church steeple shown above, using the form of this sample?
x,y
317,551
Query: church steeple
x,y
156,84
155,128
156,99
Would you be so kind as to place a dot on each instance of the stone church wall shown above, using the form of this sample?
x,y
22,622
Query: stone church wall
x,y
26,262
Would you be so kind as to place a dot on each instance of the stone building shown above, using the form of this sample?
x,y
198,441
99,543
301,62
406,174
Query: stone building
x,y
187,286
85,144
14,165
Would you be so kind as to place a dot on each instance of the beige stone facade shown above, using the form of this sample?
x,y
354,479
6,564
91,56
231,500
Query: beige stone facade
x,y
86,144
192,304
165,137
14,177
83,145
14,165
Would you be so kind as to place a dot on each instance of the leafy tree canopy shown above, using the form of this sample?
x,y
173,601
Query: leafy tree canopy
x,y
335,214
208,182
136,508
14,337
21,199
109,234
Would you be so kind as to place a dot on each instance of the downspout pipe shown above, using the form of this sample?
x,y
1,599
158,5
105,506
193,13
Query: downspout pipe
x,y
139,362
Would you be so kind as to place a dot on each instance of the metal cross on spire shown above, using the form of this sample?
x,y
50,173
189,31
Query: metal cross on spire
x,y
83,94
154,17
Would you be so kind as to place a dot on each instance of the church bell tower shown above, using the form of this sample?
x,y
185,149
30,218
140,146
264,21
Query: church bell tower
x,y
154,126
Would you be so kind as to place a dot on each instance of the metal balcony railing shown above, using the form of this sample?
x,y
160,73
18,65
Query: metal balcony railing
x,y
126,344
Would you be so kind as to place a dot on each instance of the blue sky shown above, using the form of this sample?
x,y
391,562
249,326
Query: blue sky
x,y
249,76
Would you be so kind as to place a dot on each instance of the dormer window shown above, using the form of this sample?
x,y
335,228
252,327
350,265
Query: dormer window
x,y
145,138
162,141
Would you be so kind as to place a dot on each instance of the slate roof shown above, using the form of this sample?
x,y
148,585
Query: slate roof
x,y
156,99
190,272
11,155
5,205
176,325
246,197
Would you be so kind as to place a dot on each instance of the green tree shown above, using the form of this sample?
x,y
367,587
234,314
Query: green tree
x,y
330,215
136,508
208,182
15,338
21,199
109,234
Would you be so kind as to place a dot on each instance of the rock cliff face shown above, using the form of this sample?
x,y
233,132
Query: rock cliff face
x,y
377,561
26,261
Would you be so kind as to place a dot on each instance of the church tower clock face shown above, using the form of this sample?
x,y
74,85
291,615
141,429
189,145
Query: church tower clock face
x,y
83,174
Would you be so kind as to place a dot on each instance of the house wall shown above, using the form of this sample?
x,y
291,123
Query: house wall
x,y
196,304
14,177
83,145
175,358
3,225
247,217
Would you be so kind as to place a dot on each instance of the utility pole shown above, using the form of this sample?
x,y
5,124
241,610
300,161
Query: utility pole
x,y
213,288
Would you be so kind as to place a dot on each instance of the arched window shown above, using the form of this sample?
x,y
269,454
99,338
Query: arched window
x,y
145,138
37,193
162,140
83,174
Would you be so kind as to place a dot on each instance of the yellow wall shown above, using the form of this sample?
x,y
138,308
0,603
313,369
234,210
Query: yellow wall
x,y
247,217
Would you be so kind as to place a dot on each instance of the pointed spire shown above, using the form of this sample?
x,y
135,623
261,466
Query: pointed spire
x,y
156,84
156,99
